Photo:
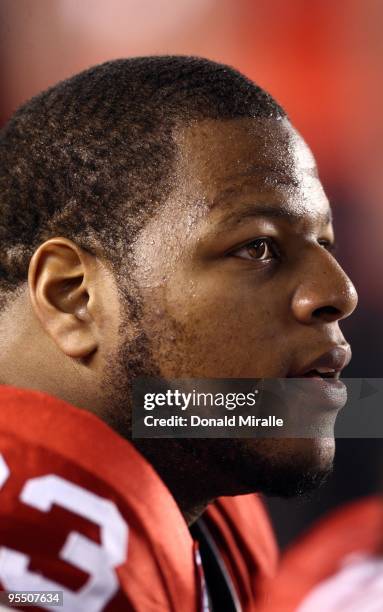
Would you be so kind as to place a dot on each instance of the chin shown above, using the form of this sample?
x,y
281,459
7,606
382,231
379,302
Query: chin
x,y
286,467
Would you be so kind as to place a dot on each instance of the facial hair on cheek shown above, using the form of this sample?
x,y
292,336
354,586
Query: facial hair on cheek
x,y
229,466
132,359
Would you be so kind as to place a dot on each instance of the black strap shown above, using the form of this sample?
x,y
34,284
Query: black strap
x,y
221,591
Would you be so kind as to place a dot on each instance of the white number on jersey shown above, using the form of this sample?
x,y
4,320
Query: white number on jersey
x,y
98,560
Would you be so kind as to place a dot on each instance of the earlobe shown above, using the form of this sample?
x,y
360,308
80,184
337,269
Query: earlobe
x,y
61,283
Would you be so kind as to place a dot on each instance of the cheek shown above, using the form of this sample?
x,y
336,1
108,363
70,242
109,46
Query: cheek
x,y
211,333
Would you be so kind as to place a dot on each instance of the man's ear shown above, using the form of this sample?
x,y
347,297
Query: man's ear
x,y
62,287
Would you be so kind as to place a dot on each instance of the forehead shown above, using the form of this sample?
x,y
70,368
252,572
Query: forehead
x,y
269,145
219,160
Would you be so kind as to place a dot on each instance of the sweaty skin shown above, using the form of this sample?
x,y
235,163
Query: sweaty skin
x,y
233,277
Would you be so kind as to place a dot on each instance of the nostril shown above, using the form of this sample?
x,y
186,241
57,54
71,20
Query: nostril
x,y
327,313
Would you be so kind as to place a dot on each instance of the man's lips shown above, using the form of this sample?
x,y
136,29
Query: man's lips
x,y
318,380
328,365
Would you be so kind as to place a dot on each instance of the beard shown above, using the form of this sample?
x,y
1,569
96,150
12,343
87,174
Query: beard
x,y
282,467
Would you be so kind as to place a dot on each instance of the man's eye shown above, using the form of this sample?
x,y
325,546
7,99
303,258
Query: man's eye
x,y
261,249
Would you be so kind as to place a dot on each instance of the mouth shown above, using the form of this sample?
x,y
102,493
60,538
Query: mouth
x,y
319,382
321,373
328,365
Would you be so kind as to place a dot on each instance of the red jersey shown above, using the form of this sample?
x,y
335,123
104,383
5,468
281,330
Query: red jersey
x,y
336,567
82,512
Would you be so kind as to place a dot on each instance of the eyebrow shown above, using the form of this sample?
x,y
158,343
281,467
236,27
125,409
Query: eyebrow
x,y
270,212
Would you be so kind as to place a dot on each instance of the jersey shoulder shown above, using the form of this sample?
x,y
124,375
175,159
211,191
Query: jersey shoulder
x,y
338,561
83,513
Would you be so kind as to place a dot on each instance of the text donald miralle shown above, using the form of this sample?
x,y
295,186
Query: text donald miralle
x,y
174,398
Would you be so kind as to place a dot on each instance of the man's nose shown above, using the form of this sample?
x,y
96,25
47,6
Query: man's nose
x,y
325,293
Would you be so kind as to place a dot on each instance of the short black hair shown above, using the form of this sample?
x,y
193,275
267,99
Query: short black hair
x,y
92,158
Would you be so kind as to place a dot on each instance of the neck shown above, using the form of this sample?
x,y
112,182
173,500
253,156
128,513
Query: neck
x,y
180,472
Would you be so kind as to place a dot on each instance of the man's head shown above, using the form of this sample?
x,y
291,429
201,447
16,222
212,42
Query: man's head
x,y
173,223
